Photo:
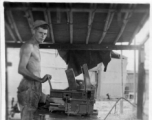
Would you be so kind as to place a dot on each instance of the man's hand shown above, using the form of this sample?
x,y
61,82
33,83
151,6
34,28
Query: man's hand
x,y
45,78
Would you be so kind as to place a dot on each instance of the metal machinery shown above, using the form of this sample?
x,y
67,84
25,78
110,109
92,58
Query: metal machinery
x,y
79,97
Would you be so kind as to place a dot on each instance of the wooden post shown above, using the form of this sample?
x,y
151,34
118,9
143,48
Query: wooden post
x,y
141,84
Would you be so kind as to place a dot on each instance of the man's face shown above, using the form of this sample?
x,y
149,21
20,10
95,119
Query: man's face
x,y
40,34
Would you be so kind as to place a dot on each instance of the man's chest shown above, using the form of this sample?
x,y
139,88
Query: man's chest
x,y
36,54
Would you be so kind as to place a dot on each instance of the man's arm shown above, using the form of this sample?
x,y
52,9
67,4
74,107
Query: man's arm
x,y
25,54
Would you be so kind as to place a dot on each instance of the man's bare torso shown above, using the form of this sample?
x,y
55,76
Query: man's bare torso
x,y
34,61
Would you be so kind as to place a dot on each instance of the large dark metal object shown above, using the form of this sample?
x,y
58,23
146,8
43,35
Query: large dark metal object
x,y
78,98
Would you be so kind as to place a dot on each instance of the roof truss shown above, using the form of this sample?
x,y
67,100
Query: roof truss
x,y
70,12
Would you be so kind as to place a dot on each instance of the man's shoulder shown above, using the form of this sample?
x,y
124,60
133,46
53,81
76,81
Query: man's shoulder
x,y
27,45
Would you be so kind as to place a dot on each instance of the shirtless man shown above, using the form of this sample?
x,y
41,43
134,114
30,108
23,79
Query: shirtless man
x,y
30,88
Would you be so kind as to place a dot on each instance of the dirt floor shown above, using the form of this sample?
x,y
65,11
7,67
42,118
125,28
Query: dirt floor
x,y
129,112
103,107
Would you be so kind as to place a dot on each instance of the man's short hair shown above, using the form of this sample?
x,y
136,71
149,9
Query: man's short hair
x,y
45,26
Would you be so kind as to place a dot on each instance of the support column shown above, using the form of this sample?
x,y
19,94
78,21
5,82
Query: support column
x,y
6,85
122,90
99,84
141,84
135,81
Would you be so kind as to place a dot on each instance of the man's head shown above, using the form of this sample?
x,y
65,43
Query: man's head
x,y
40,30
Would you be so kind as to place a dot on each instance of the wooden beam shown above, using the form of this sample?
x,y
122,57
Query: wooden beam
x,y
91,17
136,10
10,31
71,27
112,10
122,28
107,24
111,18
125,21
38,9
89,27
51,26
83,10
81,46
112,15
14,25
146,16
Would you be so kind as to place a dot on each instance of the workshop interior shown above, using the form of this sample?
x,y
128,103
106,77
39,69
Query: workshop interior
x,y
85,36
